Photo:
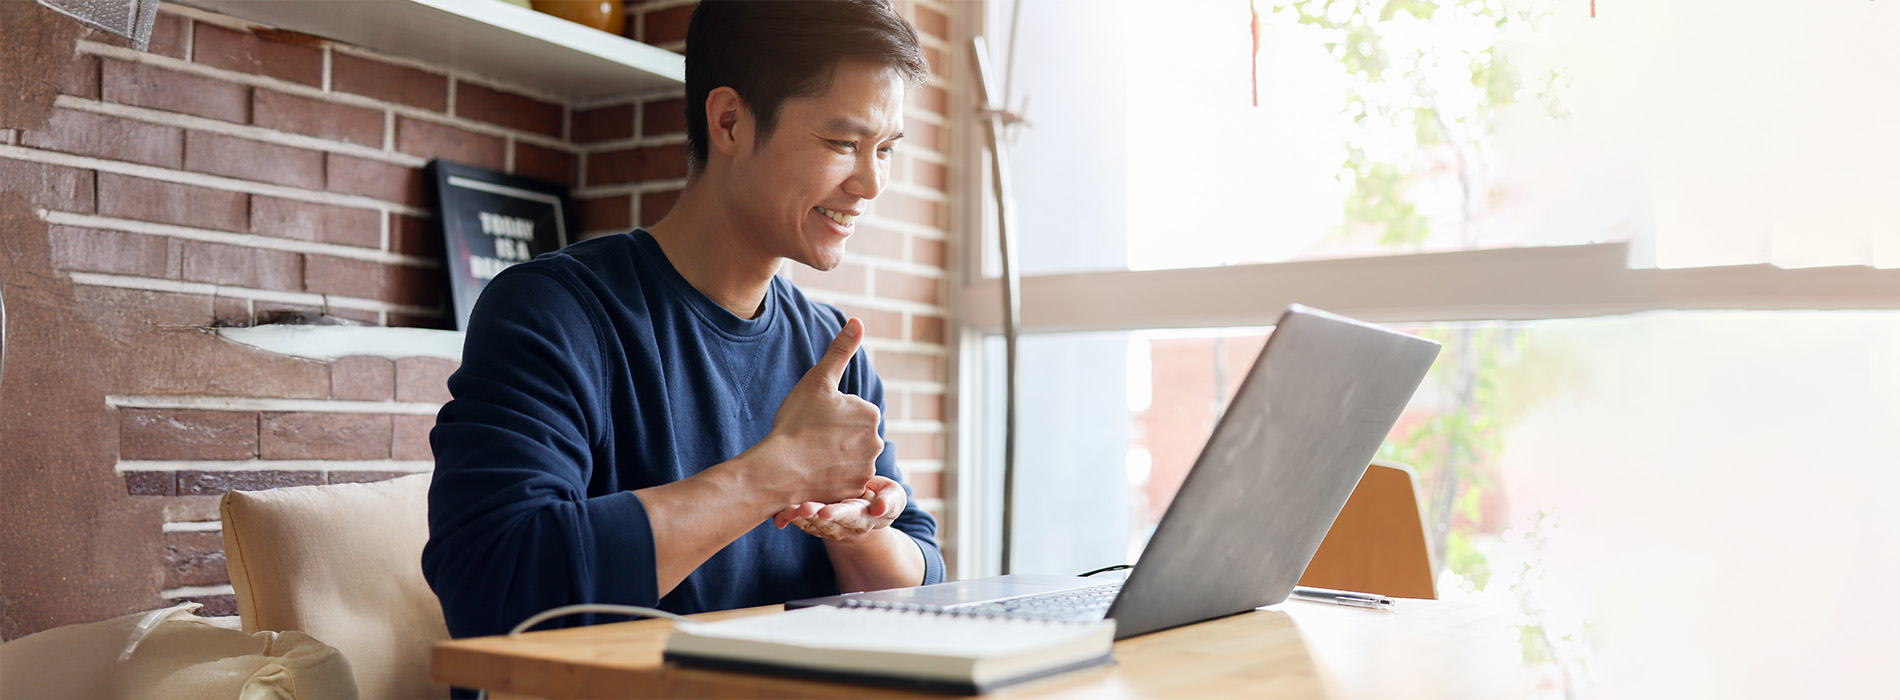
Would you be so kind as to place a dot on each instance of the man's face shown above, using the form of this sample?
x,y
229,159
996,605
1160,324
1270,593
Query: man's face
x,y
826,159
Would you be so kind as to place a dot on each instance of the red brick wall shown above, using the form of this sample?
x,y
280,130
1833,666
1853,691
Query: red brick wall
x,y
1186,396
226,176
232,174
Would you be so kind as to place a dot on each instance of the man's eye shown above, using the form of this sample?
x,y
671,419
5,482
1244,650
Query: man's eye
x,y
885,151
846,145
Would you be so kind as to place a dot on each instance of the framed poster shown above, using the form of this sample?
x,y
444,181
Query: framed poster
x,y
490,221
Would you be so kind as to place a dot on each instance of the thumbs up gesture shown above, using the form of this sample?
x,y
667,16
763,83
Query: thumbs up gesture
x,y
826,439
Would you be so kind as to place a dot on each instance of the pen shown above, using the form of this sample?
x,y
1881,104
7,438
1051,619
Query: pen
x,y
1350,599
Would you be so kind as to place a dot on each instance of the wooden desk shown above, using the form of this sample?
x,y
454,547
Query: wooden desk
x,y
1423,649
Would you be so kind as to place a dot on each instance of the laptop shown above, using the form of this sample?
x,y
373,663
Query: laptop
x,y
1276,471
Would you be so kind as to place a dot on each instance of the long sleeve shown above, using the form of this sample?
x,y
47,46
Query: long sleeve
x,y
512,529
588,374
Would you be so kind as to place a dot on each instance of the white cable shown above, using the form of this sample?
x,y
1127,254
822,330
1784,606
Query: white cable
x,y
546,615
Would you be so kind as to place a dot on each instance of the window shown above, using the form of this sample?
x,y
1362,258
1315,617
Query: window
x,y
1419,126
1610,222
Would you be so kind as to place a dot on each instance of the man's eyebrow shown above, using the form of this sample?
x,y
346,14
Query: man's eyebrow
x,y
857,128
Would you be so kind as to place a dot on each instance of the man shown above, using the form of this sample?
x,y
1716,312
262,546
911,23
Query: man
x,y
639,418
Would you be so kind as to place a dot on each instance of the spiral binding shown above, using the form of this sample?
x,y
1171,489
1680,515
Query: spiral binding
x,y
966,613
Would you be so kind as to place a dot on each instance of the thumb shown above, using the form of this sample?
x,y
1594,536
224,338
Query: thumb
x,y
830,368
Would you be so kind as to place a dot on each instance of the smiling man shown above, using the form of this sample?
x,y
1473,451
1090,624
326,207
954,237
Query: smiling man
x,y
656,418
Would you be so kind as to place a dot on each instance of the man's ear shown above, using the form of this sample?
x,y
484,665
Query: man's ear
x,y
728,121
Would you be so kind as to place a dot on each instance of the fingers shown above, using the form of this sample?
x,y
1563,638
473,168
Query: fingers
x,y
833,521
889,499
830,368
797,512
877,506
824,529
878,497
847,508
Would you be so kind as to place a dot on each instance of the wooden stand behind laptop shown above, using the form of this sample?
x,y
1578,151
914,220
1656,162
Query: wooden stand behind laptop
x,y
1377,544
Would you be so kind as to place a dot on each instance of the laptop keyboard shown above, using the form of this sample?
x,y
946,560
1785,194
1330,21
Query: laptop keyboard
x,y
1076,604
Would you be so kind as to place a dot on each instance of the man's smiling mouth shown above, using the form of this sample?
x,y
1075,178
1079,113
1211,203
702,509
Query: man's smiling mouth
x,y
843,219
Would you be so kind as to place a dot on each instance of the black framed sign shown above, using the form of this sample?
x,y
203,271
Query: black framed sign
x,y
492,220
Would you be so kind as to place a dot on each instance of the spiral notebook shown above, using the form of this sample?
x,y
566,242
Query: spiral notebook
x,y
894,646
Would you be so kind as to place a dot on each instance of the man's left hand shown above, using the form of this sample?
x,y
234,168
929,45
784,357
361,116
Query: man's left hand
x,y
879,505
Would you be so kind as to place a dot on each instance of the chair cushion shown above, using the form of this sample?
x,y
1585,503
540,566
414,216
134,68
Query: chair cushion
x,y
343,563
171,654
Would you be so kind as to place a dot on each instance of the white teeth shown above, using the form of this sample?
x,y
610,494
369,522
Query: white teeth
x,y
844,219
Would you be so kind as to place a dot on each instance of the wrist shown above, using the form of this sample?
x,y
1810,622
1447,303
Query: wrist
x,y
861,541
749,479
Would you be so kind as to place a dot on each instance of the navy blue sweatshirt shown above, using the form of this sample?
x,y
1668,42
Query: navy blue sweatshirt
x,y
589,373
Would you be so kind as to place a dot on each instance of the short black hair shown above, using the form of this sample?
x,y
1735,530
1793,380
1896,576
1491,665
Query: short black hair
x,y
770,51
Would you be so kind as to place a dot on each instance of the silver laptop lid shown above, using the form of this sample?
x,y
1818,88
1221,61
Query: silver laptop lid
x,y
1278,468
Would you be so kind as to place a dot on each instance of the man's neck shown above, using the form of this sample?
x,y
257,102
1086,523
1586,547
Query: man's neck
x,y
715,254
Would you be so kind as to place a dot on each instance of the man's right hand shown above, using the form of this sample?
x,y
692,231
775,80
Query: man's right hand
x,y
825,441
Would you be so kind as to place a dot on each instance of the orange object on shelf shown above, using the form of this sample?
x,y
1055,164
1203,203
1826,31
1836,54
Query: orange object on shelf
x,y
606,15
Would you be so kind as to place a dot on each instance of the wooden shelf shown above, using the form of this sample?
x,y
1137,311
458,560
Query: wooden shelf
x,y
488,38
331,342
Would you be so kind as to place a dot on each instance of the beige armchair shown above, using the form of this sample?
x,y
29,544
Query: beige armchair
x,y
171,654
341,563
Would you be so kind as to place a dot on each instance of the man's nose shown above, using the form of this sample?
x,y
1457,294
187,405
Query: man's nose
x,y
867,177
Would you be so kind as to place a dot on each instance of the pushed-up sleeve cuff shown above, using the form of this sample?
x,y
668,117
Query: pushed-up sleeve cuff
x,y
933,560
626,566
